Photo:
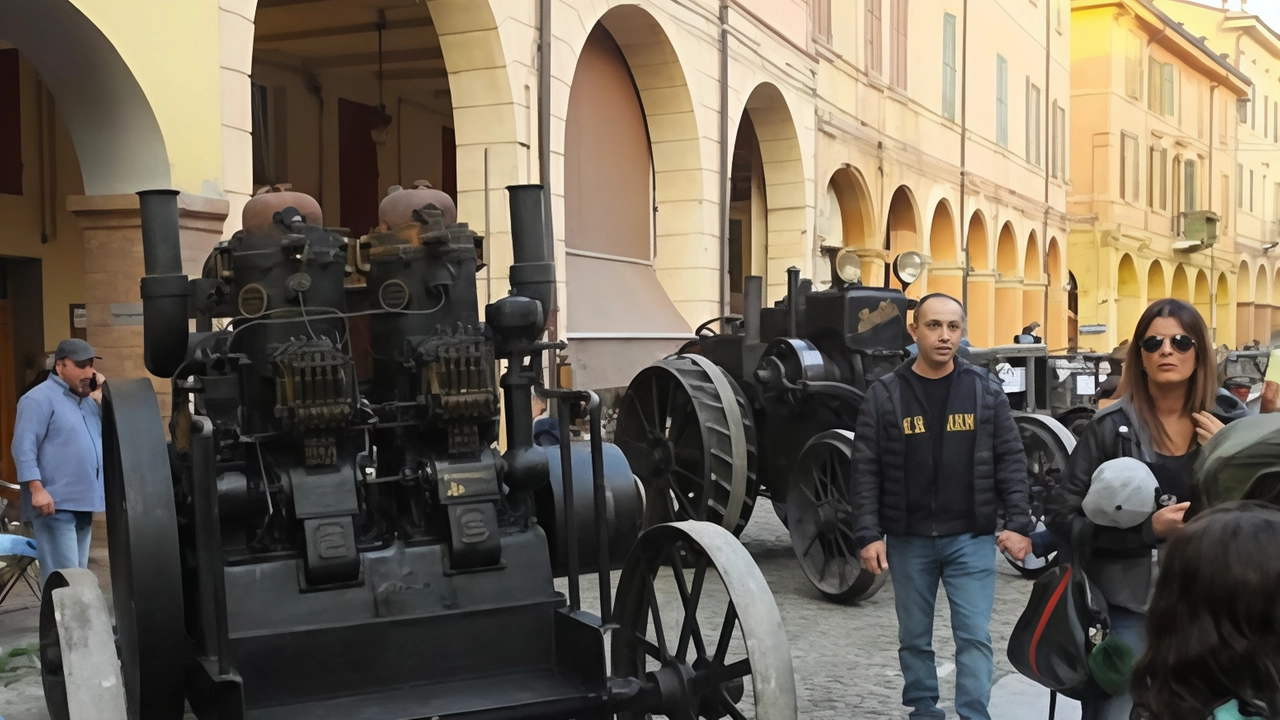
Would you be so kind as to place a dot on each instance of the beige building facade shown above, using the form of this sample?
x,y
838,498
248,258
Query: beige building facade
x,y
1254,48
1155,134
686,144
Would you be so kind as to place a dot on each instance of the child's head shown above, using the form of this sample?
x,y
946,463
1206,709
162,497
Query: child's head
x,y
1213,628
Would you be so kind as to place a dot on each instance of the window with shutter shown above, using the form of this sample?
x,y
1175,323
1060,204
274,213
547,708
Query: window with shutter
x,y
1153,85
1239,184
10,123
1133,66
820,18
1002,101
898,43
1033,123
1169,88
1189,186
1164,179
949,66
873,36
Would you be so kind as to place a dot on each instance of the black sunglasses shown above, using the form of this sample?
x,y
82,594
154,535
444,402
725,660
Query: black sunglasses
x,y
1180,343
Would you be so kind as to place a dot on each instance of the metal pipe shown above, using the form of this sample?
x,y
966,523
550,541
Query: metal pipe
x,y
724,160
164,289
963,221
1213,283
1049,147
551,319
571,517
602,527
793,293
161,243
209,538
752,298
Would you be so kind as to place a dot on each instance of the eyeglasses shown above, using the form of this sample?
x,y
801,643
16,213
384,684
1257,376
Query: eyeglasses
x,y
1180,343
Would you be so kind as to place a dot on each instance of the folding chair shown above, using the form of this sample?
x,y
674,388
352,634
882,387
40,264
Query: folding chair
x,y
17,558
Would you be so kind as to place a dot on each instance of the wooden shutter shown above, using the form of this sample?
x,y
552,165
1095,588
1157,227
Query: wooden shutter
x,y
949,66
10,124
1002,101
898,75
873,36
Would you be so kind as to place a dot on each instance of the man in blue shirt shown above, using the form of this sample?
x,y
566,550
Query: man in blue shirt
x,y
57,448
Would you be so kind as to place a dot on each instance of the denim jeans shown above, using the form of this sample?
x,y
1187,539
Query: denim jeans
x,y
966,566
62,540
1130,627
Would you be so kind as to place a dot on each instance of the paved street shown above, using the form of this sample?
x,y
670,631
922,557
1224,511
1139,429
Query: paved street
x,y
845,658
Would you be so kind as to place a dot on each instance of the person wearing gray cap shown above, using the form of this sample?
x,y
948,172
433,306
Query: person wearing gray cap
x,y
57,449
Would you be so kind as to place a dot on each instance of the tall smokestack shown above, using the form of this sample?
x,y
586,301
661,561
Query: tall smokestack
x,y
164,288
533,274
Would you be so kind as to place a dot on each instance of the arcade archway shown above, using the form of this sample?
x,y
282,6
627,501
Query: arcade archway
x,y
766,205
1009,289
982,289
945,274
1129,304
901,233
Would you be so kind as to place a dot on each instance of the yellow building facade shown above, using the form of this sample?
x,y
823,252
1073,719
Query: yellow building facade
x,y
1156,137
1253,47
686,144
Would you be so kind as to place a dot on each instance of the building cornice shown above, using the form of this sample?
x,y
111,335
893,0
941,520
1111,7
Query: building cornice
x,y
1181,42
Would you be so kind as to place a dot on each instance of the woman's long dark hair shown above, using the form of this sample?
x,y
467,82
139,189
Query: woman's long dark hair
x,y
1202,387
1213,628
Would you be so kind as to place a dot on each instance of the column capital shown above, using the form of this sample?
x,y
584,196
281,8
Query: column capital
x,y
195,212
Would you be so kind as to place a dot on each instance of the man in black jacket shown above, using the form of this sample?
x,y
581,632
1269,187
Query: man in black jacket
x,y
937,454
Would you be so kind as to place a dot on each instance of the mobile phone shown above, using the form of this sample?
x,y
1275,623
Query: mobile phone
x,y
93,383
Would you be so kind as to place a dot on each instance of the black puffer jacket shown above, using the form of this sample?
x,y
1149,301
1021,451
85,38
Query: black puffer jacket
x,y
1119,559
999,461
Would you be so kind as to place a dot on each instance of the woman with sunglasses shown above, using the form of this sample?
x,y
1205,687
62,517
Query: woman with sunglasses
x,y
1169,406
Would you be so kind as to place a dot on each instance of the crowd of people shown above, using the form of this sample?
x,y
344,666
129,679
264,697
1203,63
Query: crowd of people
x,y
1188,593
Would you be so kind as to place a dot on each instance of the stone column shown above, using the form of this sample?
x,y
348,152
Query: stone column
x,y
1244,323
1008,310
981,308
948,279
1262,323
1033,308
873,264
1056,319
112,232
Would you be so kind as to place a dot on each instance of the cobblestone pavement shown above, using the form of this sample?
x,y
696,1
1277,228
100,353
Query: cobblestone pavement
x,y
844,657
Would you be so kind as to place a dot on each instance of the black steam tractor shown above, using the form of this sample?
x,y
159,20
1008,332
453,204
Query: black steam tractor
x,y
315,544
767,407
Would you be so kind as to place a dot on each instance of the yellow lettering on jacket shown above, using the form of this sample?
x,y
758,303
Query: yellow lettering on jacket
x,y
960,422
913,425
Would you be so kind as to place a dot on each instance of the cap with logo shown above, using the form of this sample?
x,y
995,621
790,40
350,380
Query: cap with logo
x,y
75,350
1122,493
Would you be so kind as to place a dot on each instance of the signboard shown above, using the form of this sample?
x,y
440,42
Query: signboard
x,y
1014,379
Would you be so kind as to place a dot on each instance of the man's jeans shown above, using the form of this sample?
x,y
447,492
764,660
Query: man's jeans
x,y
966,566
62,541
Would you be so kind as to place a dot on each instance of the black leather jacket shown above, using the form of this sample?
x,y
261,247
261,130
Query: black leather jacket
x,y
1112,434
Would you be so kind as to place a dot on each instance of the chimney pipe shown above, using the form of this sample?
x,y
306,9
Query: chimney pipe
x,y
164,288
752,299
533,274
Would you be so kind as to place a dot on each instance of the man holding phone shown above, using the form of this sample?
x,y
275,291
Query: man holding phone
x,y
57,449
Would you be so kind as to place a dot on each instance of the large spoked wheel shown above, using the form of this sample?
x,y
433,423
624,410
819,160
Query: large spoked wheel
x,y
142,533
78,663
820,518
689,436
1048,445
719,650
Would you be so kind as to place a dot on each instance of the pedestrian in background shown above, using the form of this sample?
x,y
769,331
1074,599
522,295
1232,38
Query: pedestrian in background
x,y
57,449
937,455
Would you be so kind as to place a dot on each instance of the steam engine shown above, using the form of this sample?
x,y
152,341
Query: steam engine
x,y
344,535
